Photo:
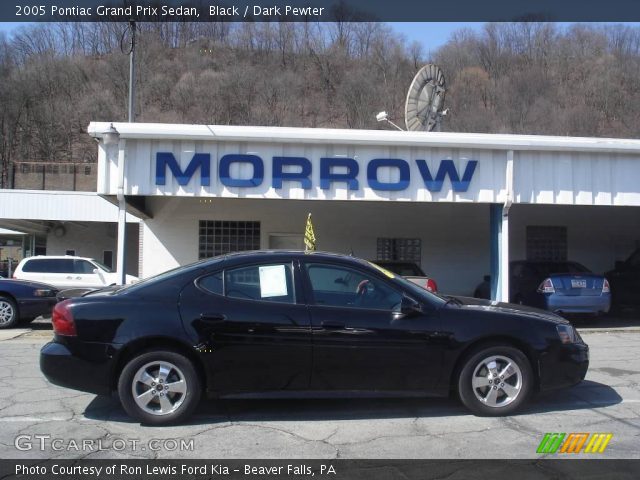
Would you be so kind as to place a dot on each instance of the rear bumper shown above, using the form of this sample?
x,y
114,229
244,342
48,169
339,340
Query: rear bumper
x,y
90,373
564,366
578,303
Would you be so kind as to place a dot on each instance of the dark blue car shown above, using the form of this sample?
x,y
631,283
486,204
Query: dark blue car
x,y
561,287
22,300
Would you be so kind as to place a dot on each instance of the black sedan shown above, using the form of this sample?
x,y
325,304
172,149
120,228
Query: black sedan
x,y
282,324
22,301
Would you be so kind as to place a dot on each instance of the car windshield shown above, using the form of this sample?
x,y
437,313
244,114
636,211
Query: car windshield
x,y
422,293
168,274
404,269
102,266
549,268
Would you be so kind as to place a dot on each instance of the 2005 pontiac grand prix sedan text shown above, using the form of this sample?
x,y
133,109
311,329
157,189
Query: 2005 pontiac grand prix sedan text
x,y
283,323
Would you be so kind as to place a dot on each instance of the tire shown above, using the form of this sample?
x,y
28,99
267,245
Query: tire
x,y
482,396
8,312
142,375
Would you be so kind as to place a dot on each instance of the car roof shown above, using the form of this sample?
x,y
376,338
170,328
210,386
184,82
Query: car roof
x,y
57,257
261,255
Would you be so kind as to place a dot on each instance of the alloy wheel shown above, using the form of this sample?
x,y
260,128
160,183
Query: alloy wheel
x,y
496,381
159,388
7,312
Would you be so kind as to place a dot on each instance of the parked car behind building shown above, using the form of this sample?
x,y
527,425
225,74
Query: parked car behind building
x,y
67,272
410,271
23,301
561,287
625,281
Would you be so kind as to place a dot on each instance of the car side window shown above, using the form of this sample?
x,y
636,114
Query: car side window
x,y
82,266
345,287
266,283
212,283
49,265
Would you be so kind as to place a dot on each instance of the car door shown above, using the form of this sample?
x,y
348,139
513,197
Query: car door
x,y
85,274
255,332
360,342
59,272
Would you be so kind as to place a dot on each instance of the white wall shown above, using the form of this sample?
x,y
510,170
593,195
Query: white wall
x,y
455,237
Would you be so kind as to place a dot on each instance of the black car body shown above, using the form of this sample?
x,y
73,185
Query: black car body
x,y
290,324
625,281
22,300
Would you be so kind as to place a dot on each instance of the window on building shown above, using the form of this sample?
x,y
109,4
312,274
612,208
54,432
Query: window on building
x,y
404,249
218,237
71,253
107,258
87,169
546,243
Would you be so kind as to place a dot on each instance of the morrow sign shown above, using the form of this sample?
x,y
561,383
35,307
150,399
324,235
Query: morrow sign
x,y
299,170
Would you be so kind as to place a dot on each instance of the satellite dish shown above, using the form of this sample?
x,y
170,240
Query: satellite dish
x,y
425,99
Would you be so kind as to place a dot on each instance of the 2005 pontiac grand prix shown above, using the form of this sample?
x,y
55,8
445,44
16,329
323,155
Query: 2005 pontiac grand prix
x,y
282,324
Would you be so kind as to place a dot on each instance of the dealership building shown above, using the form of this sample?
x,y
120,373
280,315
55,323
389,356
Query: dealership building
x,y
460,205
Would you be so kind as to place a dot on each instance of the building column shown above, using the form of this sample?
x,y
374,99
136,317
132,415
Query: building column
x,y
499,226
499,220
121,257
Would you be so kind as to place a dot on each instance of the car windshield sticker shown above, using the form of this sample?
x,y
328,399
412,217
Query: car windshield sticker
x,y
273,281
383,270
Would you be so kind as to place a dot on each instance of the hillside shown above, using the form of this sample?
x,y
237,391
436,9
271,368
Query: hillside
x,y
512,78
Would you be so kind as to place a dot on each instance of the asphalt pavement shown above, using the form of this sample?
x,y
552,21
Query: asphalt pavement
x,y
39,420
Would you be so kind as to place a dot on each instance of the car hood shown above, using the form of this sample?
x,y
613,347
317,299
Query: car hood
x,y
29,283
469,303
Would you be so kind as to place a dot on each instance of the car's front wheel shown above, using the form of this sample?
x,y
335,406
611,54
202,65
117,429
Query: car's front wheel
x,y
8,312
159,387
495,381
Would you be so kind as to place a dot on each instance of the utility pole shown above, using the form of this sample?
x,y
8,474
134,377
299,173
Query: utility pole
x,y
121,260
132,71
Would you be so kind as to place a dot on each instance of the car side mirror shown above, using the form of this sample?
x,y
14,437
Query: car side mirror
x,y
408,308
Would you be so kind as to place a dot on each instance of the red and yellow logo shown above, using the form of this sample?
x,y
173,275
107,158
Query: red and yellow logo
x,y
574,443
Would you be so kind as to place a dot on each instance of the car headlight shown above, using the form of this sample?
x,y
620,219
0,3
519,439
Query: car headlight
x,y
567,334
44,292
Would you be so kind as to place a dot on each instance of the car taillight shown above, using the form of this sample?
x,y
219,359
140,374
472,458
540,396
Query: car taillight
x,y
431,286
546,286
605,286
62,320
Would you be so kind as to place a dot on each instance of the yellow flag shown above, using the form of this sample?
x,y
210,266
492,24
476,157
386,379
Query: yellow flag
x,y
309,236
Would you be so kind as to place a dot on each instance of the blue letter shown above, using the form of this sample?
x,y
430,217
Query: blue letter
x,y
327,176
447,167
164,159
302,176
254,181
372,174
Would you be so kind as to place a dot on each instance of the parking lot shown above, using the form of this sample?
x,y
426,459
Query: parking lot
x,y
39,420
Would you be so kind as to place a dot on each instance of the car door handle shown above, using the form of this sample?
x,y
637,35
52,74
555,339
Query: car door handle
x,y
69,277
333,325
212,317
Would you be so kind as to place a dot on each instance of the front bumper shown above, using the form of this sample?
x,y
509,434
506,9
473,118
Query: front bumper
x,y
564,366
34,307
91,371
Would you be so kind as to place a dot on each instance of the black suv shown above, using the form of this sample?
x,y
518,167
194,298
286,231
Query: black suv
x,y
625,281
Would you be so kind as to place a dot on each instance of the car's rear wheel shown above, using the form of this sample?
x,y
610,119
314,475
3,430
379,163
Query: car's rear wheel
x,y
159,387
495,381
8,312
